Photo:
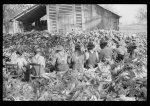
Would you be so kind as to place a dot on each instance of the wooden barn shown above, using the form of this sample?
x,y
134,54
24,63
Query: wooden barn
x,y
64,18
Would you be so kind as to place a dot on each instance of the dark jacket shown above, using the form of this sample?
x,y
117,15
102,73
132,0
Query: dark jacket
x,y
107,52
92,60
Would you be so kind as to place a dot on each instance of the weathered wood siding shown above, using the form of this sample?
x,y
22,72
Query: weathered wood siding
x,y
18,28
97,17
64,18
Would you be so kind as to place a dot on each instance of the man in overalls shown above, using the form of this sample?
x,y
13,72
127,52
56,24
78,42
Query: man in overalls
x,y
60,60
91,56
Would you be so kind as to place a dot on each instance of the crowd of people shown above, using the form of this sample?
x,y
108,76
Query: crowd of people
x,y
78,60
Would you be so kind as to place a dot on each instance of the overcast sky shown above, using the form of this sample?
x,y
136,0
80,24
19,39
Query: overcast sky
x,y
127,11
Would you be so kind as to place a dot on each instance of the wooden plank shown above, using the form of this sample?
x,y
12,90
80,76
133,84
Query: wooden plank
x,y
52,14
15,29
48,18
57,9
74,16
78,16
83,21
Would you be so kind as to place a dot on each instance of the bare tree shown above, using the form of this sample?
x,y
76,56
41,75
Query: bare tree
x,y
9,11
142,14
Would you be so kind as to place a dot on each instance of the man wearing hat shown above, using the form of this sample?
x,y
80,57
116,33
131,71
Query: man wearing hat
x,y
39,60
60,60
77,59
131,48
91,56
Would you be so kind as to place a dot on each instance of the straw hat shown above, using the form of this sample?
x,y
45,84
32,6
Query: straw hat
x,y
59,48
38,50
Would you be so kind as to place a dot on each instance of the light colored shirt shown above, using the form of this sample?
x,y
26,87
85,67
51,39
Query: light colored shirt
x,y
13,58
38,59
21,62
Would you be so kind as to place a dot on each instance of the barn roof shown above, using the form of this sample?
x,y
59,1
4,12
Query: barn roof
x,y
109,10
36,12
31,14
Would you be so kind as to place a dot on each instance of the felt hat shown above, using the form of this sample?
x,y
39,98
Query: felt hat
x,y
18,51
90,45
77,46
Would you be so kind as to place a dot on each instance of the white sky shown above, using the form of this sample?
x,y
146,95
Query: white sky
x,y
127,11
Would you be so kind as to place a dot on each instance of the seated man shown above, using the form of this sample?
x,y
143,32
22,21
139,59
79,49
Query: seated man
x,y
39,61
60,60
77,58
91,56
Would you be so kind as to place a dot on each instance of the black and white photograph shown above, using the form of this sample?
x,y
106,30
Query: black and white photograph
x,y
74,52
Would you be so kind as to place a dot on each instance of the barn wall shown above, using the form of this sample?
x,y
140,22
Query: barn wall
x,y
17,26
97,17
64,17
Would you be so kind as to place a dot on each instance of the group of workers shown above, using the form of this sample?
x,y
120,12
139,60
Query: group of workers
x,y
78,60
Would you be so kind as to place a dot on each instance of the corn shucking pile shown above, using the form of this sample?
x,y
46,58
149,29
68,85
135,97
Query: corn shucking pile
x,y
118,82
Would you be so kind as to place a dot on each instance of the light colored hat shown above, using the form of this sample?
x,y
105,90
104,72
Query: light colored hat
x,y
59,48
38,50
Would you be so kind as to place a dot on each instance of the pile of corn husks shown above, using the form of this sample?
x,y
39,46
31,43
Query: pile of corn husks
x,y
117,82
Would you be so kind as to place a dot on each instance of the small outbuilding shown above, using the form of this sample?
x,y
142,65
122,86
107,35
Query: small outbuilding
x,y
64,18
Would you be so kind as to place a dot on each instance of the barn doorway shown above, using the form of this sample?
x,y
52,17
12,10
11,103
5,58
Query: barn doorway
x,y
32,19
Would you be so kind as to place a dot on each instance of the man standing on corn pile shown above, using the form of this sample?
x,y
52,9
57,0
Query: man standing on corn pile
x,y
60,60
91,56
121,51
40,60
105,54
131,48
